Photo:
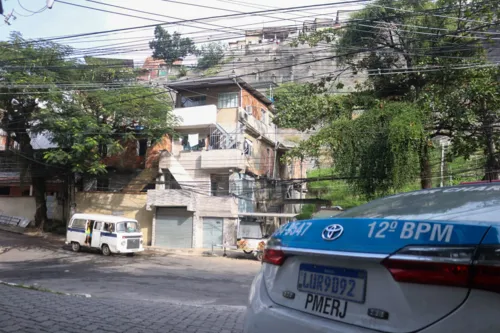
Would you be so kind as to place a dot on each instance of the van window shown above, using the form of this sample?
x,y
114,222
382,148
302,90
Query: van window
x,y
127,227
78,224
108,227
98,226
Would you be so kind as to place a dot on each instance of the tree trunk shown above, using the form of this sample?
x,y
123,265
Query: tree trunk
x,y
37,173
492,165
39,191
425,166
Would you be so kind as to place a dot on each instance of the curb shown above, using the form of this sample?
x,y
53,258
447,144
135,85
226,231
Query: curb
x,y
38,288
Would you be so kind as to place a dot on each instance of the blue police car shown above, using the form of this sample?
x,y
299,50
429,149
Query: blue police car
x,y
426,261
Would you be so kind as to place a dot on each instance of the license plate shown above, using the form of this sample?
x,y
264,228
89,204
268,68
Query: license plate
x,y
335,282
324,305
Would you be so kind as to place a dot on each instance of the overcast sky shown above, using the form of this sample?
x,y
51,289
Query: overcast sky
x,y
64,19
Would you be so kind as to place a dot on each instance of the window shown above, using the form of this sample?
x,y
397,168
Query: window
x,y
187,102
263,116
127,227
248,147
228,100
98,226
78,224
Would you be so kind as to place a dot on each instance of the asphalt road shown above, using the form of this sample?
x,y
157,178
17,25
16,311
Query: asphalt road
x,y
30,311
160,278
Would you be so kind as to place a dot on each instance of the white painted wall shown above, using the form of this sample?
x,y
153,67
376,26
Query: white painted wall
x,y
197,115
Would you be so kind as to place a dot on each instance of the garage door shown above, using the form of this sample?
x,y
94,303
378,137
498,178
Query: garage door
x,y
174,228
212,232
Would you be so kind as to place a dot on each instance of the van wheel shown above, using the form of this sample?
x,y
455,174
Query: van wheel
x,y
105,250
259,256
75,246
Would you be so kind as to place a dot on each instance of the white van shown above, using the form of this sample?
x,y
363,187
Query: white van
x,y
110,234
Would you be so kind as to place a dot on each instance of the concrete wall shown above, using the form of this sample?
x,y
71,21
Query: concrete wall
x,y
26,207
18,206
128,205
201,206
197,115
262,160
228,119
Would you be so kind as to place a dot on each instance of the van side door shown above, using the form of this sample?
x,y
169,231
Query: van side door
x,y
96,234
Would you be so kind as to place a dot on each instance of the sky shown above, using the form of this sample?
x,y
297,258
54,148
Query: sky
x,y
66,19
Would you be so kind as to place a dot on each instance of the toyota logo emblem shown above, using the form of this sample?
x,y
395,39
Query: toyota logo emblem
x,y
332,232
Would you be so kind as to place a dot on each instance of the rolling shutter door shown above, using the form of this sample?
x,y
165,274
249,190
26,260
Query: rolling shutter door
x,y
174,228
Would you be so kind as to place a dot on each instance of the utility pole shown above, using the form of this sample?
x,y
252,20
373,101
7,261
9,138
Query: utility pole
x,y
442,164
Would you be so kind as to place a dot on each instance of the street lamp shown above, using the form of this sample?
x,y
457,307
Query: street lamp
x,y
50,3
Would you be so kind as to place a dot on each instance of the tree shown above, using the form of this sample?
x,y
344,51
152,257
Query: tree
x,y
211,55
29,73
376,152
94,124
37,98
472,116
170,47
407,47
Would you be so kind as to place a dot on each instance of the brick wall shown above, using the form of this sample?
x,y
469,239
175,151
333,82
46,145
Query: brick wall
x,y
257,106
153,153
129,160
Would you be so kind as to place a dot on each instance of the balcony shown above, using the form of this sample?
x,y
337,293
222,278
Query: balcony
x,y
256,125
223,159
196,117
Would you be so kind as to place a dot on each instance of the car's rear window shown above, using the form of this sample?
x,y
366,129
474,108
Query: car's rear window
x,y
471,202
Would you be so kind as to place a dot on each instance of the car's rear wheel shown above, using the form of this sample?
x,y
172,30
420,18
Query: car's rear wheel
x,y
259,255
75,246
105,250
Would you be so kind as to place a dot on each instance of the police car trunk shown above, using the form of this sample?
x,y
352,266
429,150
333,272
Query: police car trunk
x,y
397,264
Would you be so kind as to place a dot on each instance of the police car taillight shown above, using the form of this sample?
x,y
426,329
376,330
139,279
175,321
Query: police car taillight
x,y
487,269
447,266
273,257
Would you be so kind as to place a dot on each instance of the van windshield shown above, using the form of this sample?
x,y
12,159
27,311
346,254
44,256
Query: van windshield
x,y
127,227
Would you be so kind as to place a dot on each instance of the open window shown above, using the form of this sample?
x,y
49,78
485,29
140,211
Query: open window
x,y
248,147
187,102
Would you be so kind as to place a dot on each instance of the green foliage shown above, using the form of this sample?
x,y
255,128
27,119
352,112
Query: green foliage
x,y
183,71
412,59
212,71
211,55
170,47
93,124
338,192
306,212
